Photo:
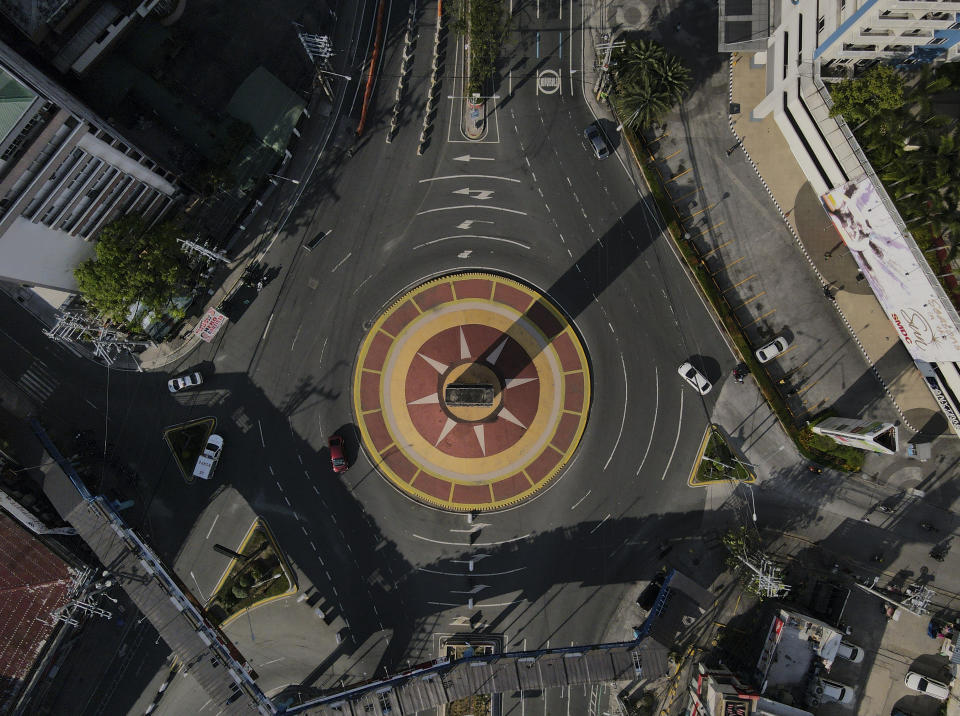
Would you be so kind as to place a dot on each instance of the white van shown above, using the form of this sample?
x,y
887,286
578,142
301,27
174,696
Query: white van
x,y
207,461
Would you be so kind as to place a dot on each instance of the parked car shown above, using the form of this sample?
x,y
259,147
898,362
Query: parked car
x,y
338,460
850,652
774,348
598,142
695,378
926,686
833,691
182,382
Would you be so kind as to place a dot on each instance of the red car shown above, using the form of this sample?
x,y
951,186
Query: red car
x,y
337,458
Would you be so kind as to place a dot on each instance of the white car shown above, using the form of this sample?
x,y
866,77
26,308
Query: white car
x,y
182,382
850,652
695,378
772,349
832,691
207,462
927,686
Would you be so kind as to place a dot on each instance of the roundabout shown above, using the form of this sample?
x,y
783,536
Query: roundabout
x,y
471,392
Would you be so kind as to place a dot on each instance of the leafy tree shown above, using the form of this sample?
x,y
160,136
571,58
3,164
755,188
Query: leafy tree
x,y
880,90
239,592
133,263
649,82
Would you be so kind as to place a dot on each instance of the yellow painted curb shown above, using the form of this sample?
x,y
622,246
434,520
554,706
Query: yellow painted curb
x,y
165,435
692,479
409,488
286,568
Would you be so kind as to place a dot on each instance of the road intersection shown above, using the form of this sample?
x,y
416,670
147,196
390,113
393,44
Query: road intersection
x,y
527,203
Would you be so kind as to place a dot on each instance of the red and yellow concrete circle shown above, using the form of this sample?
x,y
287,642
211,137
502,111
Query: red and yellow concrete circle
x,y
478,335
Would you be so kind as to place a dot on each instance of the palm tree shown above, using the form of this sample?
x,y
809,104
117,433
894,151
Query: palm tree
x,y
649,82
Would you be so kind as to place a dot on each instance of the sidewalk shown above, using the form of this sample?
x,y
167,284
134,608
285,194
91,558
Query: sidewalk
x,y
310,145
768,152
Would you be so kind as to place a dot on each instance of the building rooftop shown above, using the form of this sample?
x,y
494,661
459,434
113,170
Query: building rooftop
x,y
33,583
15,99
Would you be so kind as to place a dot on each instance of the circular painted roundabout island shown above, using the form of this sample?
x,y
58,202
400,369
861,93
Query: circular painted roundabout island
x,y
471,392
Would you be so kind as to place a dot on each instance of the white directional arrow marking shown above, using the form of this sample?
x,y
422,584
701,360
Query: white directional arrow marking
x,y
482,194
465,254
468,158
470,222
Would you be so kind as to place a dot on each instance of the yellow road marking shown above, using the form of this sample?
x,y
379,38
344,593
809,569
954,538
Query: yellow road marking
x,y
740,283
732,263
772,310
706,208
681,198
749,300
725,243
671,156
685,171
709,228
657,139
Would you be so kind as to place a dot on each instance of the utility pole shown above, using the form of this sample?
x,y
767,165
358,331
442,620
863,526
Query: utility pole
x,y
189,246
107,341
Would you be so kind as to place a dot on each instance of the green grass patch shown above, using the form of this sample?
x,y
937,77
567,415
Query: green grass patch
x,y
186,442
259,576
719,462
833,455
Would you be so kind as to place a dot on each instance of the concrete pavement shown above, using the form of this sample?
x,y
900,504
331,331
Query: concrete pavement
x,y
802,212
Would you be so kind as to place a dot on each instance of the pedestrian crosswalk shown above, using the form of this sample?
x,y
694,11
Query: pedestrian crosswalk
x,y
37,382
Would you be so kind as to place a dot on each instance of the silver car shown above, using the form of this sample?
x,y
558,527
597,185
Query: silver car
x,y
597,141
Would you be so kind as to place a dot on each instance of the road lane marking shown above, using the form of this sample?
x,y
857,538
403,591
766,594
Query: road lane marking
x,y
469,176
623,418
341,262
211,525
472,236
656,407
264,444
296,336
577,503
472,206
270,468
676,439
600,523
269,321
471,574
288,501
475,544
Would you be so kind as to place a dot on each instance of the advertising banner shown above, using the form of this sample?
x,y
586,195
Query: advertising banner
x,y
894,272
210,324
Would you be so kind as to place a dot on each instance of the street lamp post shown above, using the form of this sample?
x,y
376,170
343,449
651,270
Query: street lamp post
x,y
277,176
628,119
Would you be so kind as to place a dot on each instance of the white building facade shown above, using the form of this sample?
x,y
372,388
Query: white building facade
x,y
64,174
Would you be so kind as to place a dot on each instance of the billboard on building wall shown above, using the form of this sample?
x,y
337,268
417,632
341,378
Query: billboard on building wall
x,y
895,274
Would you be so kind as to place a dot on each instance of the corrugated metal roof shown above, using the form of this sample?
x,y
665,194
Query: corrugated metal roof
x,y
15,100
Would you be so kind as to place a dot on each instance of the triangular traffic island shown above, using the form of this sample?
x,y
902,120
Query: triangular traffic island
x,y
186,442
257,574
718,461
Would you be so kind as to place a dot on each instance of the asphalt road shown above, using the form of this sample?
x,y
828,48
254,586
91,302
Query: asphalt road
x,y
531,202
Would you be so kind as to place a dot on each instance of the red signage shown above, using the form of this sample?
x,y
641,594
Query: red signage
x,y
210,324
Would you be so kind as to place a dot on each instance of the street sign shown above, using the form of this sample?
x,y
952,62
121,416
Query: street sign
x,y
210,324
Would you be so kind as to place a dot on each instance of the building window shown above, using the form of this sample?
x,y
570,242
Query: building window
x,y
821,21
843,5
938,40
